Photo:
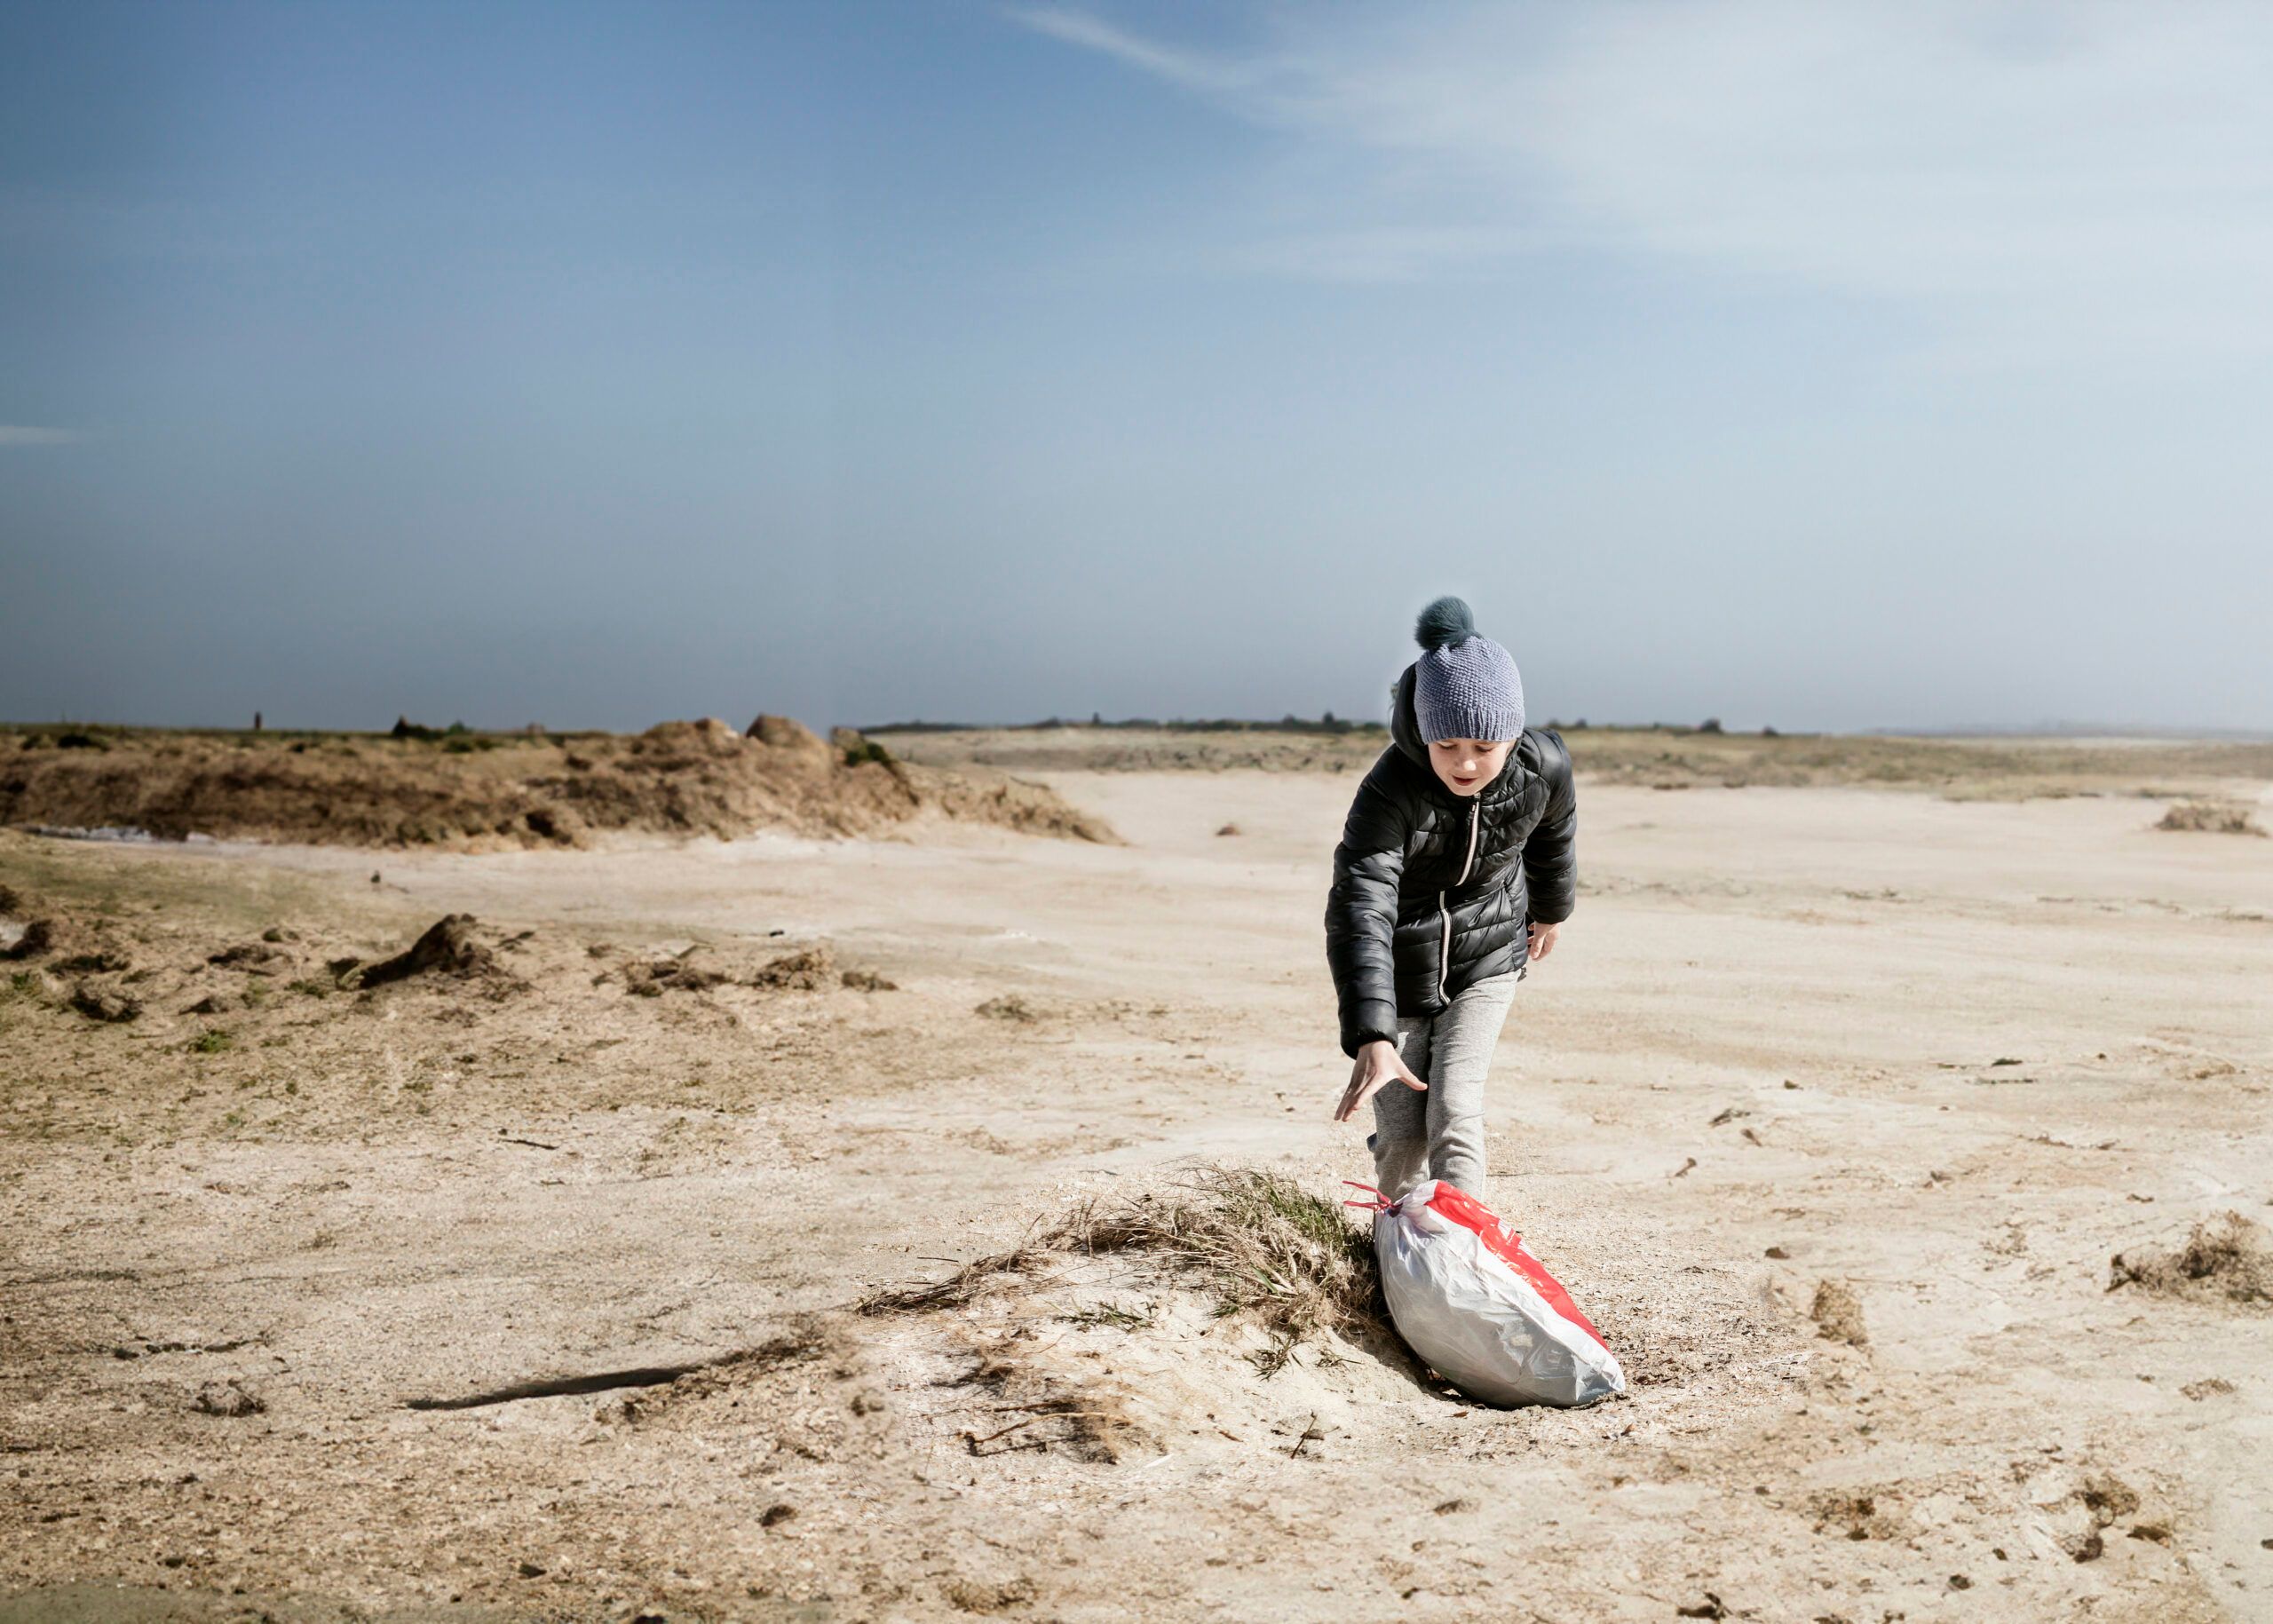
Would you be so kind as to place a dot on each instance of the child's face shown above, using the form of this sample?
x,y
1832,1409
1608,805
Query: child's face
x,y
1467,764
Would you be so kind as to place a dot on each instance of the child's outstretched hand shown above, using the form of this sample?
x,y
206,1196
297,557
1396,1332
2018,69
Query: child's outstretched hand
x,y
1378,1064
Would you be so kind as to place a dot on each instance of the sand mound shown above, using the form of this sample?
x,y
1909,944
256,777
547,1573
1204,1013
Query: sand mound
x,y
2209,818
2226,1259
418,787
1232,1311
448,946
1254,1241
1230,1308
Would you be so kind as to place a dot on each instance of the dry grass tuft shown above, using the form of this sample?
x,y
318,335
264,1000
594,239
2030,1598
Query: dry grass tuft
x,y
1838,1314
2209,818
2226,1259
1094,1423
1022,1263
1254,1241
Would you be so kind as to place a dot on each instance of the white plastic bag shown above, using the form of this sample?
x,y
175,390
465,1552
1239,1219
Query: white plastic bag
x,y
1481,1311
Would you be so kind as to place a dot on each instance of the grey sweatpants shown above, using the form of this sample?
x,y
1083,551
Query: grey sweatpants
x,y
1438,1132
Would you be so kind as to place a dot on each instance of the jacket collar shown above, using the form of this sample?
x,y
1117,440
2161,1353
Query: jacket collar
x,y
1404,735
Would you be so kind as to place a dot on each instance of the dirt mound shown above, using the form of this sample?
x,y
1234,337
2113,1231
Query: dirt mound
x,y
1233,1307
977,796
88,951
479,790
250,1018
784,734
2226,1259
2209,818
448,946
807,970
709,736
1838,1314
106,1004
23,934
30,930
1232,1312
679,973
1254,1241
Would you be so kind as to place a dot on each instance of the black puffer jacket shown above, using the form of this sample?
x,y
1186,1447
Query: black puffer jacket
x,y
1432,889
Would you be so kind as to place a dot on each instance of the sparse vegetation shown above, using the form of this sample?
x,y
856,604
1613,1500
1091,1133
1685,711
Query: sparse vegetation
x,y
271,1190
2209,818
2227,1258
1252,1241
1662,755
1289,723
1010,1006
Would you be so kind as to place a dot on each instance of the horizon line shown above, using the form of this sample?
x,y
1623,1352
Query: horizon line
x,y
1326,722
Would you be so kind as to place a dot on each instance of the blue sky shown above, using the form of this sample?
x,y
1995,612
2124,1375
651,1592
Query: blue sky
x,y
1821,366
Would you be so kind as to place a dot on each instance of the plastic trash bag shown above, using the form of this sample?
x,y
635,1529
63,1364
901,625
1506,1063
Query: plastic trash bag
x,y
1481,1311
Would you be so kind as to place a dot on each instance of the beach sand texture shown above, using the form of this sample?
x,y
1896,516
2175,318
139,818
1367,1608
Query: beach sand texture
x,y
526,1285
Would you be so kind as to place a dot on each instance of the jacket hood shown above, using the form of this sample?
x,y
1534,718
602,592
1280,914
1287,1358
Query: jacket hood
x,y
1404,721
1405,733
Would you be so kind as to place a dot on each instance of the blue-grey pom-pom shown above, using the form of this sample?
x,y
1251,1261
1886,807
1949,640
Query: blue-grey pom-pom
x,y
1444,622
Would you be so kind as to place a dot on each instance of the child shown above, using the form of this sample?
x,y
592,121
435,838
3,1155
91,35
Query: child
x,y
1455,870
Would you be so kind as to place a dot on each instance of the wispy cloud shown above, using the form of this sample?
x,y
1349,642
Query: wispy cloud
x,y
24,434
2099,170
1190,69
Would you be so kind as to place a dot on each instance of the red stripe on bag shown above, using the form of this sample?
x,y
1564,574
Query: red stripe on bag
x,y
1456,1206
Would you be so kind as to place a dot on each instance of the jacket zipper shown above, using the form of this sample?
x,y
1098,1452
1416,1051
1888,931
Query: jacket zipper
x,y
1444,914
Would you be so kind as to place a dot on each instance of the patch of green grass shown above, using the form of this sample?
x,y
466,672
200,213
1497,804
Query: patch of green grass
x,y
212,1040
313,989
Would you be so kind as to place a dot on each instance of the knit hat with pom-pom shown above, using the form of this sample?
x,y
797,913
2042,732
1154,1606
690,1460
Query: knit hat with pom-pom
x,y
1464,685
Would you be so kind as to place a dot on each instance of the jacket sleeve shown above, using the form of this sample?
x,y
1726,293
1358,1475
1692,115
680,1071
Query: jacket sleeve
x,y
1550,856
1361,916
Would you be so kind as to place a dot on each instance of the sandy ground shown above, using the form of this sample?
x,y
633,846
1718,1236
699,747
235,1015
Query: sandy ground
x,y
1951,1056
